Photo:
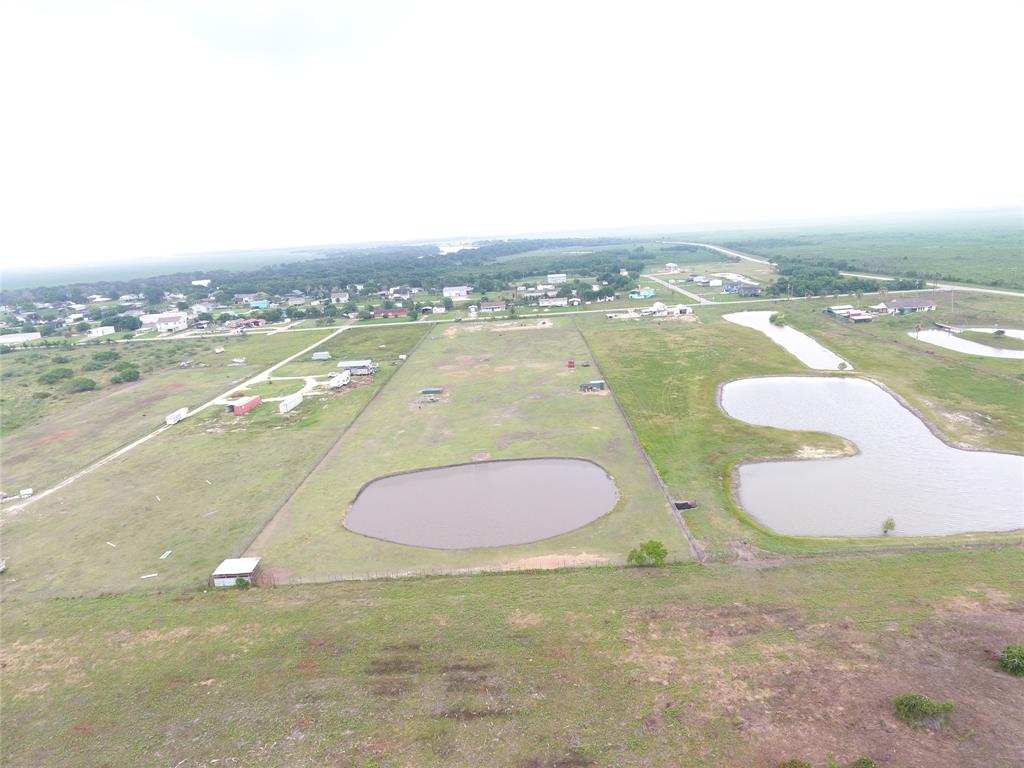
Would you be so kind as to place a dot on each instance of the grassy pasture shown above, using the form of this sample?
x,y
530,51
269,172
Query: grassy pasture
x,y
71,431
202,489
685,666
667,377
980,247
508,395
993,340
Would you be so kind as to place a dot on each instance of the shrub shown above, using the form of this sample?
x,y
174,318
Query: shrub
x,y
61,359
94,365
889,525
41,395
918,710
124,365
795,764
55,375
125,374
106,356
81,384
1012,659
650,553
862,762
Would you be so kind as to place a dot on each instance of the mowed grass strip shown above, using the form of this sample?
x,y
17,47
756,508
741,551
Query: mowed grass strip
x,y
203,489
711,666
667,376
508,394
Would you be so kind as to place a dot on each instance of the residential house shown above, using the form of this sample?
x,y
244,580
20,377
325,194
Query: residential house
x,y
492,306
558,279
909,305
553,301
339,297
455,292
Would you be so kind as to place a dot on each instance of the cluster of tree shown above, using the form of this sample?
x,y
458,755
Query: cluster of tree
x,y
801,278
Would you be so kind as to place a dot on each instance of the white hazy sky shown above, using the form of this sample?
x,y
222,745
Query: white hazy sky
x,y
136,129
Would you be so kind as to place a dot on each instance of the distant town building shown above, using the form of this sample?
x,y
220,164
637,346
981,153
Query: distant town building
x,y
339,297
909,306
557,279
642,293
553,301
492,306
166,322
205,283
103,330
19,338
379,313
455,292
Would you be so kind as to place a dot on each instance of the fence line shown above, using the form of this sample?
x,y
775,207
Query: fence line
x,y
695,546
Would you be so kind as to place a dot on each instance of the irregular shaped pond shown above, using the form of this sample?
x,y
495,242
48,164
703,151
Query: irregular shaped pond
x,y
798,344
488,504
902,470
949,340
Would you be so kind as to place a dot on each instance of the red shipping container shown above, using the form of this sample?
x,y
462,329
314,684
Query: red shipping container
x,y
572,363
245,405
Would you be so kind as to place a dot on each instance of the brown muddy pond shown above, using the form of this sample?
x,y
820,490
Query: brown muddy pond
x,y
487,504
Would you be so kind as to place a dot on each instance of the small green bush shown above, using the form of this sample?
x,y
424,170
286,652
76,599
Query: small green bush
x,y
55,375
1012,659
93,365
862,762
62,359
106,356
81,384
650,553
41,395
795,764
125,374
920,711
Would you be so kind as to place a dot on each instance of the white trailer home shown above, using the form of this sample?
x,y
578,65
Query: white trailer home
x,y
358,367
321,355
289,403
340,380
176,416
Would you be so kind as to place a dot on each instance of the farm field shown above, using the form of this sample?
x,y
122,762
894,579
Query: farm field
x,y
713,666
667,377
978,247
508,394
202,489
70,431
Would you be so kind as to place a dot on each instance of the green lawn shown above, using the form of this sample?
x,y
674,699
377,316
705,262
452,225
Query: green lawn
x,y
509,394
668,375
716,667
203,489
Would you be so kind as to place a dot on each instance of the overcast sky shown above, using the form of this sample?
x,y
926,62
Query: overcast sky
x,y
140,129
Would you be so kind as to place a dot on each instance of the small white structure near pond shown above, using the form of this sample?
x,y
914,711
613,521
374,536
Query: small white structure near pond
x,y
234,568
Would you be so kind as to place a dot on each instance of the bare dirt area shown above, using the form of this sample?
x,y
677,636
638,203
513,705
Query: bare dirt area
x,y
828,688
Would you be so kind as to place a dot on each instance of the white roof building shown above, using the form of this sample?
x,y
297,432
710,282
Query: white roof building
x,y
234,568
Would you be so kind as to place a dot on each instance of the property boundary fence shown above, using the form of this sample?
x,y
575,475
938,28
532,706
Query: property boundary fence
x,y
695,546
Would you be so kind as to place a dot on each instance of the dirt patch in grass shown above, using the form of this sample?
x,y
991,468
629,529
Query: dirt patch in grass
x,y
56,437
547,562
828,687
521,618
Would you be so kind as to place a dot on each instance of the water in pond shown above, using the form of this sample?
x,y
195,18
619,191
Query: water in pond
x,y
949,340
902,470
799,345
489,504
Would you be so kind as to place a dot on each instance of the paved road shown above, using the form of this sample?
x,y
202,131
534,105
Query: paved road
x,y
677,289
720,249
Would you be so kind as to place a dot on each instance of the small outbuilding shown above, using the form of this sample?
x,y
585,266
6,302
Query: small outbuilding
x,y
234,568
321,355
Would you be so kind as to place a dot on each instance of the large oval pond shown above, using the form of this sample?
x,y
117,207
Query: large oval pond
x,y
797,343
902,469
488,504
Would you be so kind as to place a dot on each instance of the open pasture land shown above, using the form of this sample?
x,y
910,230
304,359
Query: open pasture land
x,y
70,431
667,377
507,394
202,489
982,247
716,666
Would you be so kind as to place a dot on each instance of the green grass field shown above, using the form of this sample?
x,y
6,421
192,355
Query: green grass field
x,y
993,340
972,247
508,395
72,431
686,666
667,376
202,489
